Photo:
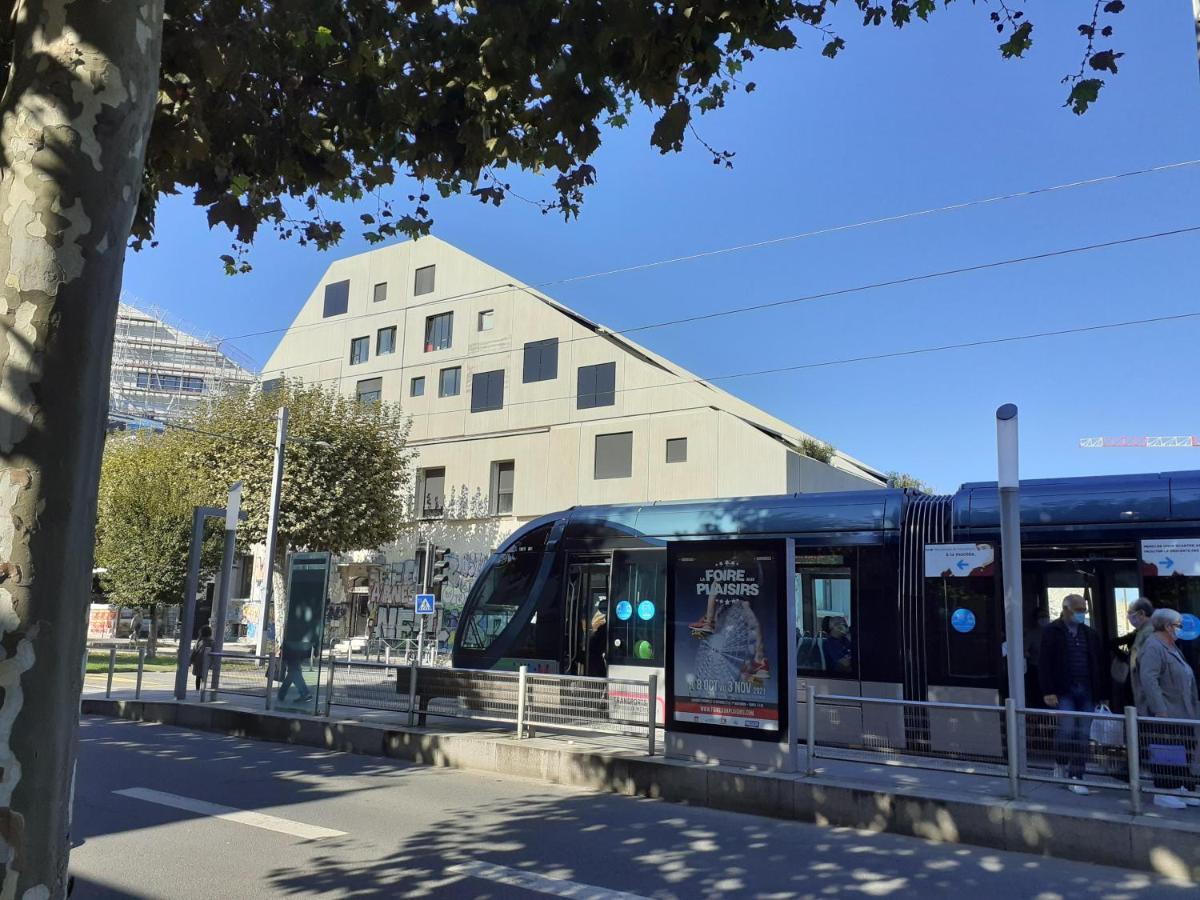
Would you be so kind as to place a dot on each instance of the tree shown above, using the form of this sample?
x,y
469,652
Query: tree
x,y
904,480
144,522
346,473
263,110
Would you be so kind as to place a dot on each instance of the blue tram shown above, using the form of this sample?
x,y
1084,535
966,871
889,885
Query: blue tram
x,y
583,591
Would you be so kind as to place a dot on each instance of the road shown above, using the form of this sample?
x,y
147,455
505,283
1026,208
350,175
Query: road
x,y
164,812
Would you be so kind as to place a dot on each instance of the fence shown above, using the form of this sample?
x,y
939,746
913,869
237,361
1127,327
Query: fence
x,y
236,673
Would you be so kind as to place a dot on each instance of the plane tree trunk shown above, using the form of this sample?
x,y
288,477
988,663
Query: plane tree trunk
x,y
74,121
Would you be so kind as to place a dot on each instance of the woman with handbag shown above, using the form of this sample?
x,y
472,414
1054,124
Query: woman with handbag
x,y
1168,691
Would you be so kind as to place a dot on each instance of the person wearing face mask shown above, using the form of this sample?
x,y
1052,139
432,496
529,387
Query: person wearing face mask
x,y
1139,618
1072,680
1168,691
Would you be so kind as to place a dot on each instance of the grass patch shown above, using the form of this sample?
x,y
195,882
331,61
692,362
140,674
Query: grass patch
x,y
127,662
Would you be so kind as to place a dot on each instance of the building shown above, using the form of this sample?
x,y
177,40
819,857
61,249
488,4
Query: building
x,y
521,406
161,373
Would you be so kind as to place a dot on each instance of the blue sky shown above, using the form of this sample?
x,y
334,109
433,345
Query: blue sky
x,y
900,121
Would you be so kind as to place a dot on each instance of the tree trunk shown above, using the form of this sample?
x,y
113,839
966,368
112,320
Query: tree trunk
x,y
74,121
152,639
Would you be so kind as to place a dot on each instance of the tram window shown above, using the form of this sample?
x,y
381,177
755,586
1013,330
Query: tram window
x,y
637,620
963,609
1182,594
502,589
824,635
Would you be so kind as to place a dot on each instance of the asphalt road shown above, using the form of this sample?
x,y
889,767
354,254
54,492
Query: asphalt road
x,y
163,812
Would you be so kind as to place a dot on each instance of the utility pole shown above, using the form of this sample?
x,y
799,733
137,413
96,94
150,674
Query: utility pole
x,y
233,507
1008,482
425,572
281,431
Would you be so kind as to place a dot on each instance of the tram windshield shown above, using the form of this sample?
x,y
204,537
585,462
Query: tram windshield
x,y
502,589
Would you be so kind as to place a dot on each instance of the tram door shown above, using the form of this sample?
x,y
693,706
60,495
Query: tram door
x,y
586,621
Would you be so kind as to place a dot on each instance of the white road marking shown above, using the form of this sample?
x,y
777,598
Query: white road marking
x,y
231,814
543,884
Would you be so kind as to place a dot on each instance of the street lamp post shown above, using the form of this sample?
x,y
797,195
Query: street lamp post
x,y
1008,482
281,431
233,508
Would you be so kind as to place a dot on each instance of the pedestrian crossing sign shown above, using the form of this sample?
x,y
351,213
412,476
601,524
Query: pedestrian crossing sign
x,y
425,604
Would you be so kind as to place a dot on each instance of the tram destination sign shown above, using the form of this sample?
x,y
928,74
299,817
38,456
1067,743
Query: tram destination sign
x,y
1179,556
959,560
726,652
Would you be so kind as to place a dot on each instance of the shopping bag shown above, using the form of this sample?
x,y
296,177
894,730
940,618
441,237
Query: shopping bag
x,y
1174,755
1108,730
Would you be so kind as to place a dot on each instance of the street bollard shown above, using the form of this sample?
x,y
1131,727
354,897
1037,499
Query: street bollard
x,y
652,696
1133,758
137,690
522,674
811,709
112,664
1012,733
387,654
270,679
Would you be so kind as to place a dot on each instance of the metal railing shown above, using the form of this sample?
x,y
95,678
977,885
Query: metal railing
x,y
238,673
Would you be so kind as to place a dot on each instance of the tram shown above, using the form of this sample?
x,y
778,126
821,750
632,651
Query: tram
x,y
583,591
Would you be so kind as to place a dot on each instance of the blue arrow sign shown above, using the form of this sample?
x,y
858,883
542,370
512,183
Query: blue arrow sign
x,y
962,564
425,604
1166,562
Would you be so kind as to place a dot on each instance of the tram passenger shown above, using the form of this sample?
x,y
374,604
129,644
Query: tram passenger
x,y
597,662
1168,691
1138,617
1072,680
837,647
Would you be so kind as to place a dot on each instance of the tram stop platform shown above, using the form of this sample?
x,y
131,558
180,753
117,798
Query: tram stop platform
x,y
930,804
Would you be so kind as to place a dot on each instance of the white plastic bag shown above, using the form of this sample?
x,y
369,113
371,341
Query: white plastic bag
x,y
1108,730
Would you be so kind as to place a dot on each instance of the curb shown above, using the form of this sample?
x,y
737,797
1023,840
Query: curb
x,y
1113,839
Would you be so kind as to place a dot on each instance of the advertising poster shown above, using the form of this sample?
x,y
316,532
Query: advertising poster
x,y
959,560
726,644
1171,557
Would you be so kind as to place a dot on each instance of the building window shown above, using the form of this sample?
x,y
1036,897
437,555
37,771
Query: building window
x,y
187,384
597,385
487,319
360,350
423,281
450,382
676,450
417,388
370,390
541,361
487,391
385,341
614,455
431,493
337,298
381,292
502,487
271,385
439,330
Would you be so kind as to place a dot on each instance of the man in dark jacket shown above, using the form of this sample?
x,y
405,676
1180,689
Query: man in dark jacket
x,y
1073,679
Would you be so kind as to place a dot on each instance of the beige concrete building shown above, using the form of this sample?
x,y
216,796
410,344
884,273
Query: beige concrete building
x,y
521,406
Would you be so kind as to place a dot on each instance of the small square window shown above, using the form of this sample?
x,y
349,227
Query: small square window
x,y
369,390
597,386
385,341
423,281
676,450
487,391
450,382
360,350
417,387
431,493
487,319
337,298
380,292
439,331
614,455
541,361
269,386
502,487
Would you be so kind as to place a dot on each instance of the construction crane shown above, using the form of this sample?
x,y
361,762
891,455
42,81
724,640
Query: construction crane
x,y
1157,442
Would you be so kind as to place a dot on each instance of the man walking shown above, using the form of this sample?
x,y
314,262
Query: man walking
x,y
1072,680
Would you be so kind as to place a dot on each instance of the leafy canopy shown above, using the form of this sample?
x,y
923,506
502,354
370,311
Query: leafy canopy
x,y
266,110
346,467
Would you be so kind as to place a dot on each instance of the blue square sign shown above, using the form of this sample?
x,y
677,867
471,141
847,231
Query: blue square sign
x,y
425,604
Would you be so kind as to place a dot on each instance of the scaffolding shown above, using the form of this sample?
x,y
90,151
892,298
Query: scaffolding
x,y
162,372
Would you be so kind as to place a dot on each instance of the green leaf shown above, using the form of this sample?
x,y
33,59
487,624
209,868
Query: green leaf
x,y
1114,7
1105,61
323,36
1018,42
1083,94
832,48
668,130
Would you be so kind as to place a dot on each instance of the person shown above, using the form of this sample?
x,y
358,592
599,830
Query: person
x,y
1168,691
292,655
135,626
200,655
1072,680
597,663
756,668
836,646
1138,617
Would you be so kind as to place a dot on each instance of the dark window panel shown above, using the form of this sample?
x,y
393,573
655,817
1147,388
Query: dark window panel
x,y
337,298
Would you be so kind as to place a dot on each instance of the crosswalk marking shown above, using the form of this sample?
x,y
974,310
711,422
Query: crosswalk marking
x,y
231,814
542,884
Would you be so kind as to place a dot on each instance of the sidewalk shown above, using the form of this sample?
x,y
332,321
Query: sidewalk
x,y
936,805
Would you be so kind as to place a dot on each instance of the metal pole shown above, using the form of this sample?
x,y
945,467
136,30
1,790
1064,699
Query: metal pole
x,y
112,662
1010,547
281,432
1012,732
329,690
232,509
652,696
188,625
811,710
137,691
270,678
387,654
522,675
1132,752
